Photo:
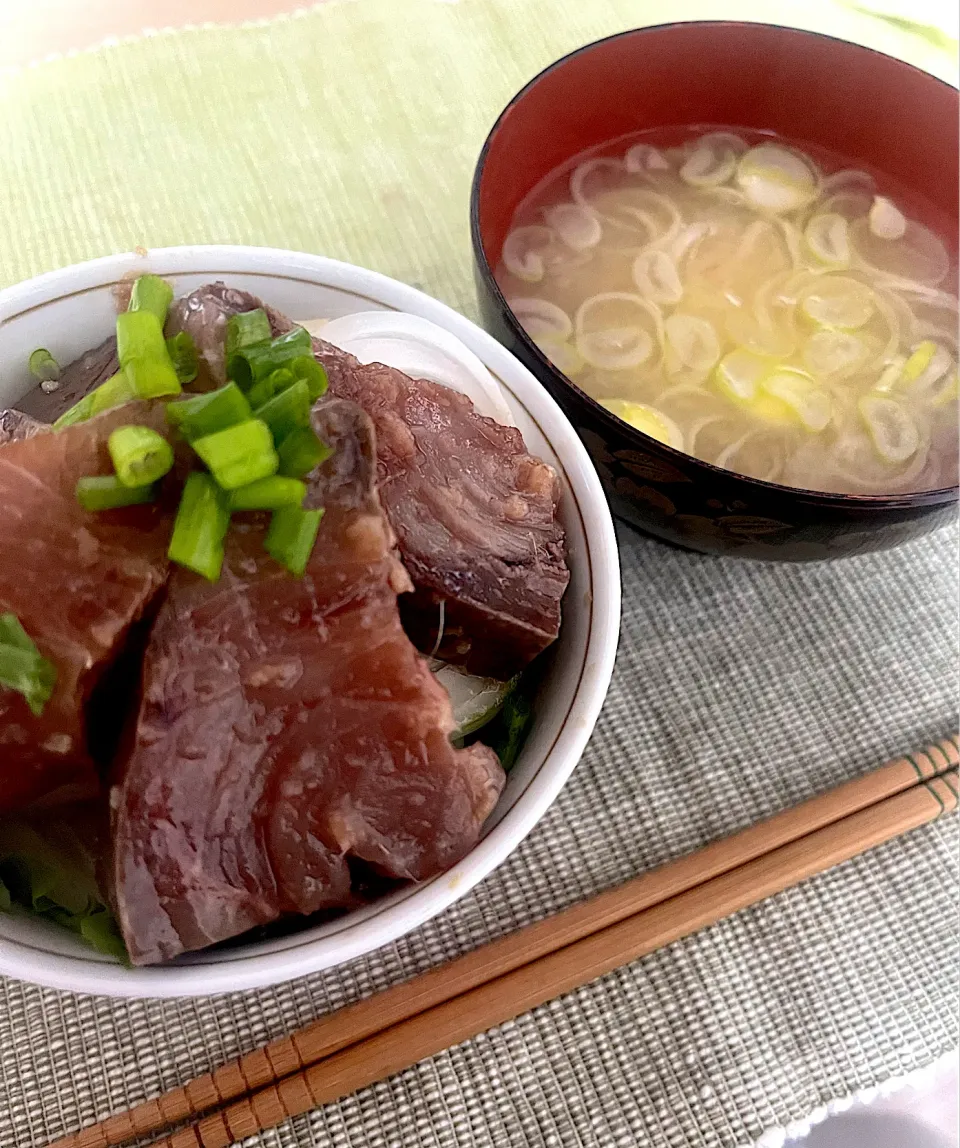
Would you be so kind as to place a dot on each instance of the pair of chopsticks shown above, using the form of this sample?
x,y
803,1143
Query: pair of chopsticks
x,y
392,1030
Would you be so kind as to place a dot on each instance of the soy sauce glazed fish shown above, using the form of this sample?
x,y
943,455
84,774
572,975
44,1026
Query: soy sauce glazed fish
x,y
475,515
288,748
286,726
71,585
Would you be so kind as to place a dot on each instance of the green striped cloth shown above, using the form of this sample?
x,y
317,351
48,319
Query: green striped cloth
x,y
349,130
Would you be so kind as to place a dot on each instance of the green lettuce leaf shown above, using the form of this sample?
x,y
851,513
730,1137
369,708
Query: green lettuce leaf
x,y
48,869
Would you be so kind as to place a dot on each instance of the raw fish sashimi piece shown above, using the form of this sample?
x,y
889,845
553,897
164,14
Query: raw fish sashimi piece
x,y
287,725
77,582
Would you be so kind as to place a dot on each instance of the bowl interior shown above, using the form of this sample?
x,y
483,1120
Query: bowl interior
x,y
813,89
69,312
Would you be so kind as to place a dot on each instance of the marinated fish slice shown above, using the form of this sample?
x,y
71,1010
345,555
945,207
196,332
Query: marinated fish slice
x,y
77,582
475,515
76,380
286,725
14,425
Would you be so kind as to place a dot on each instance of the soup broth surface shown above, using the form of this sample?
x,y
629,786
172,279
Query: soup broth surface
x,y
778,313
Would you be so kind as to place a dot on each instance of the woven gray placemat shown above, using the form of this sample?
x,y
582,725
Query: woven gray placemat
x,y
740,689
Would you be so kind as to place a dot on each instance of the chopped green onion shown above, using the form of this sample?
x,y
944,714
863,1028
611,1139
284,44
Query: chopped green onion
x,y
301,452
239,454
113,393
313,373
13,634
78,413
248,365
153,294
200,527
214,411
43,366
287,411
152,378
143,355
107,492
293,343
140,455
22,667
246,330
147,370
291,536
183,354
268,494
272,385
139,336
280,379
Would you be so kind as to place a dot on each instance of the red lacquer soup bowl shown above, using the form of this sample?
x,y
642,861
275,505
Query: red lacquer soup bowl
x,y
869,108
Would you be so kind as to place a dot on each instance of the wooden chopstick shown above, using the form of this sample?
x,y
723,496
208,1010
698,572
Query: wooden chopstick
x,y
499,1000
687,891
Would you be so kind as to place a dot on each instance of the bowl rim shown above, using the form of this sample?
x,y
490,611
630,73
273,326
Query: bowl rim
x,y
98,975
825,499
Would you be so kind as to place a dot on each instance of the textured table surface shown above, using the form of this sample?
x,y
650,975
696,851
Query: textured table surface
x,y
740,689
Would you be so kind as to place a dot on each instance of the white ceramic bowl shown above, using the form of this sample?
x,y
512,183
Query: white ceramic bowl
x,y
72,310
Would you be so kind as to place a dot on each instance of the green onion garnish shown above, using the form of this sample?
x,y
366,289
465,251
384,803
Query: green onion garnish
x,y
147,370
246,330
293,344
291,536
286,411
107,492
140,336
152,378
268,494
43,366
140,455
22,667
214,411
183,354
239,454
78,413
248,365
113,393
143,355
273,384
300,452
200,527
313,373
153,294
13,634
